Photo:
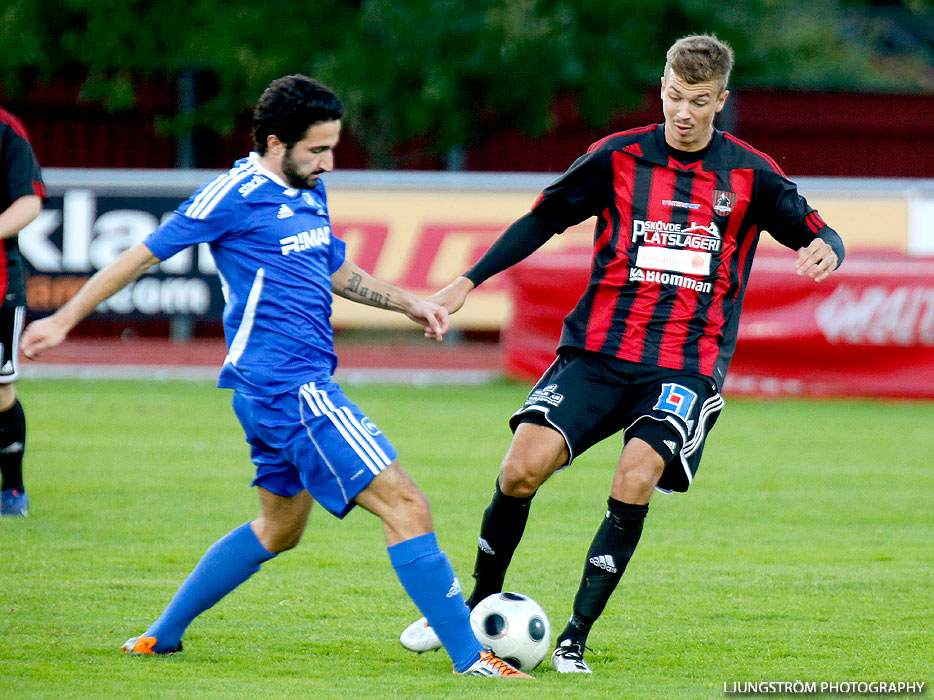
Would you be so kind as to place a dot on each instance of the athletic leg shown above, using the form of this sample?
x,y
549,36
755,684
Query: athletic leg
x,y
13,499
422,568
12,446
229,562
536,452
637,473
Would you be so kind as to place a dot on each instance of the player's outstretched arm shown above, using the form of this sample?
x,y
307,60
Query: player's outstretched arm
x,y
454,295
14,218
351,282
522,238
50,331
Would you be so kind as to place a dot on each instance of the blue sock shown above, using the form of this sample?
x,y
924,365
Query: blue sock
x,y
428,578
229,562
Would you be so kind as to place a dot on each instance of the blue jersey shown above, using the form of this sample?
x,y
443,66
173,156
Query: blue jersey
x,y
275,253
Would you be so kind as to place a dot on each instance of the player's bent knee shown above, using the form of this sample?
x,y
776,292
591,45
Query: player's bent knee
x,y
519,479
419,511
634,482
276,538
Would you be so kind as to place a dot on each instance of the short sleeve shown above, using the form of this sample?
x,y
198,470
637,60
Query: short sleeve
x,y
180,231
338,254
20,169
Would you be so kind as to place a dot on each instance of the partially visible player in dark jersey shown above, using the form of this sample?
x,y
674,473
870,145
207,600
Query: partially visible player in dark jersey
x,y
679,209
21,195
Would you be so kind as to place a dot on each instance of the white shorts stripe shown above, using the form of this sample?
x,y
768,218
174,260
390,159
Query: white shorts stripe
x,y
301,412
352,423
9,371
319,409
365,434
711,405
355,435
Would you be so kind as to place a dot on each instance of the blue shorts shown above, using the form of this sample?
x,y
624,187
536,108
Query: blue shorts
x,y
313,438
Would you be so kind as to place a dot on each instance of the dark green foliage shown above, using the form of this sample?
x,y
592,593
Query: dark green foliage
x,y
448,72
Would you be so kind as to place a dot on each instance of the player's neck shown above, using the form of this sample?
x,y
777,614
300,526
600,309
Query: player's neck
x,y
272,164
688,156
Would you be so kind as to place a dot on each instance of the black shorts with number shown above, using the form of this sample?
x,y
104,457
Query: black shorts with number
x,y
588,396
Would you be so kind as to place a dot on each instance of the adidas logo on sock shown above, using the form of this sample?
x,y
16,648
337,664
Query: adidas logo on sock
x,y
671,445
485,547
605,562
284,212
455,589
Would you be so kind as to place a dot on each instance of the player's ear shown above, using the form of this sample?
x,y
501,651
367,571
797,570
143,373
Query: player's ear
x,y
274,146
722,99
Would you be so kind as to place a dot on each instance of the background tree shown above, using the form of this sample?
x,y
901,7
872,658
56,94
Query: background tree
x,y
447,72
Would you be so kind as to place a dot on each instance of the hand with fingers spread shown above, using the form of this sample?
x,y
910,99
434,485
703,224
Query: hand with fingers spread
x,y
818,260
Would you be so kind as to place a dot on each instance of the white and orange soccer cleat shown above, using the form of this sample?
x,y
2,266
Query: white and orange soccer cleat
x,y
492,666
144,645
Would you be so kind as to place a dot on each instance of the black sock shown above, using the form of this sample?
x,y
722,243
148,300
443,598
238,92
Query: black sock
x,y
609,553
12,444
500,531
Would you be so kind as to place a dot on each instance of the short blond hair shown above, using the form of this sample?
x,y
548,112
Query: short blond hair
x,y
700,58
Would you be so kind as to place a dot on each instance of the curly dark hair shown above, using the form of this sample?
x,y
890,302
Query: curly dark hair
x,y
289,106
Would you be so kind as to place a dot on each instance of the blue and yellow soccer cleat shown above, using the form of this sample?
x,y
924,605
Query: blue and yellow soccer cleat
x,y
144,645
14,502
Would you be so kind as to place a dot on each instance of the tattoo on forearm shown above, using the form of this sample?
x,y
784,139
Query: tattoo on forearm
x,y
355,287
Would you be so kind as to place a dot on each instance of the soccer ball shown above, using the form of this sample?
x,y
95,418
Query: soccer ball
x,y
514,627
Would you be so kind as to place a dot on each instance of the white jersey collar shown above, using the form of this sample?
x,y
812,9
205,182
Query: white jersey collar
x,y
266,172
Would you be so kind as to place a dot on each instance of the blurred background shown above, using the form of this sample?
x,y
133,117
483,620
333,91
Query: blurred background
x,y
457,115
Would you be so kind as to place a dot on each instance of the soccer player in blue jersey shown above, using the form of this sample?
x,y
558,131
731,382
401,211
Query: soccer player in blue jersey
x,y
267,225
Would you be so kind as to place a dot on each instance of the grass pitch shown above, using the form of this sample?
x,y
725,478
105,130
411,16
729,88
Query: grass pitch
x,y
802,552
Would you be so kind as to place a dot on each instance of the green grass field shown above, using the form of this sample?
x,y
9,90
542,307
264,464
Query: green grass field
x,y
802,552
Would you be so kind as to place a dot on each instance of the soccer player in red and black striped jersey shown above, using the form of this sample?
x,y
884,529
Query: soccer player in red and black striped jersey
x,y
21,195
679,209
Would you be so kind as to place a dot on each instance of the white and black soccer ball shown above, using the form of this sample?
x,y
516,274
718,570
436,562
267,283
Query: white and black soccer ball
x,y
514,627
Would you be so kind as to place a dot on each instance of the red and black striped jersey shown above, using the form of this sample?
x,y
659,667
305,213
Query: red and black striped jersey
x,y
673,244
19,176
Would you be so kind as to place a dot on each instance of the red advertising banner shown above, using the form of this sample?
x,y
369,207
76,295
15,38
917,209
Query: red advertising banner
x,y
868,330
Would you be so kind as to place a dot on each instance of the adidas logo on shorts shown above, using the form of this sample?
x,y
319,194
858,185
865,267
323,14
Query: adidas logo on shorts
x,y
671,445
605,562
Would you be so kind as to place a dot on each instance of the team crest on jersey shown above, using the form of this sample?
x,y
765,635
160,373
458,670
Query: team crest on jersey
x,y
723,202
